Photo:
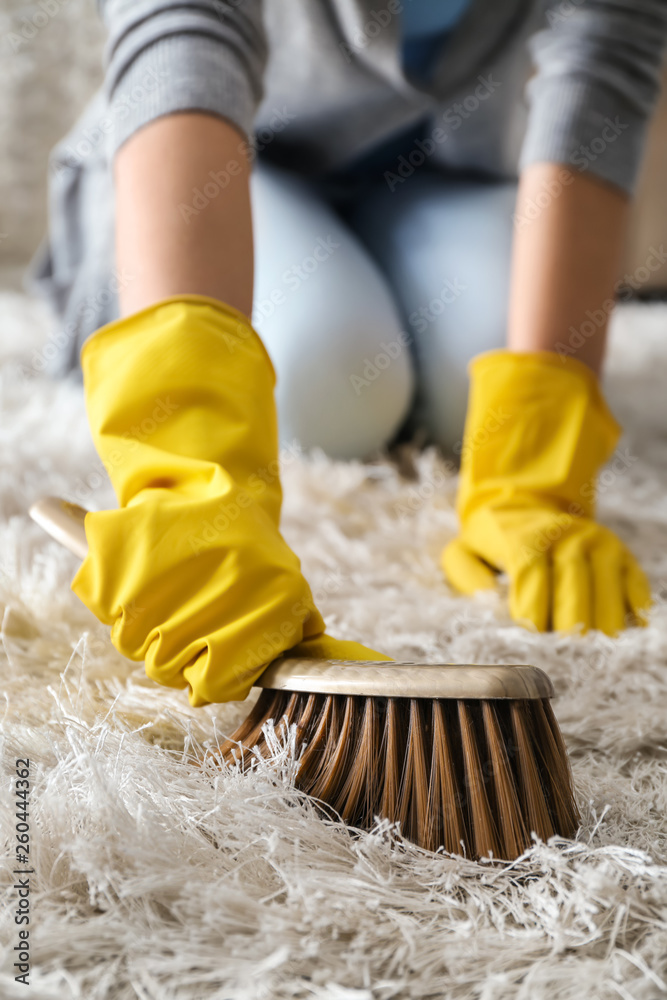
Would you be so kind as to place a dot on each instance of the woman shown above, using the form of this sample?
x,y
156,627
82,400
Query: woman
x,y
384,196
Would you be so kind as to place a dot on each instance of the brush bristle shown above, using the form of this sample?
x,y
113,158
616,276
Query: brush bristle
x,y
473,777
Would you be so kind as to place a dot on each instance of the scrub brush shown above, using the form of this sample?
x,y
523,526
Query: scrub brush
x,y
468,758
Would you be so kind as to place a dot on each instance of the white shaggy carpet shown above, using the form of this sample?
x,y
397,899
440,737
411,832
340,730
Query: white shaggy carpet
x,y
160,881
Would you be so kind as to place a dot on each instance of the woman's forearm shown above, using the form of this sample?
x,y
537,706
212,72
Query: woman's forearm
x,y
568,243
183,222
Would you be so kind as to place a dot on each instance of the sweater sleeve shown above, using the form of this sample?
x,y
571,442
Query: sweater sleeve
x,y
597,78
164,56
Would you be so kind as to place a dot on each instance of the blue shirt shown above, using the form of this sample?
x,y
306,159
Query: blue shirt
x,y
425,25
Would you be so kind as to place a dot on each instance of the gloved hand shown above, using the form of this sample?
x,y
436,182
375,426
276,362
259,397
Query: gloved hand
x,y
537,432
191,571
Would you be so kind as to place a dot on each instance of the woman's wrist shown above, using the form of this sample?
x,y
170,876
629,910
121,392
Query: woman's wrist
x,y
569,233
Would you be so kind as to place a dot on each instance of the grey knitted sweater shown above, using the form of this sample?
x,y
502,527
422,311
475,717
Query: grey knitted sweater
x,y
321,81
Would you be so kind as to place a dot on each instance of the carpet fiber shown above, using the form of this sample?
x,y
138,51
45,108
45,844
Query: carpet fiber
x,y
160,880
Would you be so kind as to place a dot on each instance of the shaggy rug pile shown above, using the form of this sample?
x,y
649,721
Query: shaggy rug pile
x,y
159,880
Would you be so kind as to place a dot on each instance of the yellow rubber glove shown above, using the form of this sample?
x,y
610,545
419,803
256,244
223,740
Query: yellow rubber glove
x,y
537,432
191,571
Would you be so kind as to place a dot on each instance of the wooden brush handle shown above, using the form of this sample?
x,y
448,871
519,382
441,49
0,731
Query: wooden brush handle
x,y
386,679
63,521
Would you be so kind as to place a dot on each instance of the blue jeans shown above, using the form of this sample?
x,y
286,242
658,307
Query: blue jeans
x,y
374,317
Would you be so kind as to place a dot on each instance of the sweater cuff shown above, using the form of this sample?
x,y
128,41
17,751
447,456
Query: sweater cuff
x,y
180,73
576,122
